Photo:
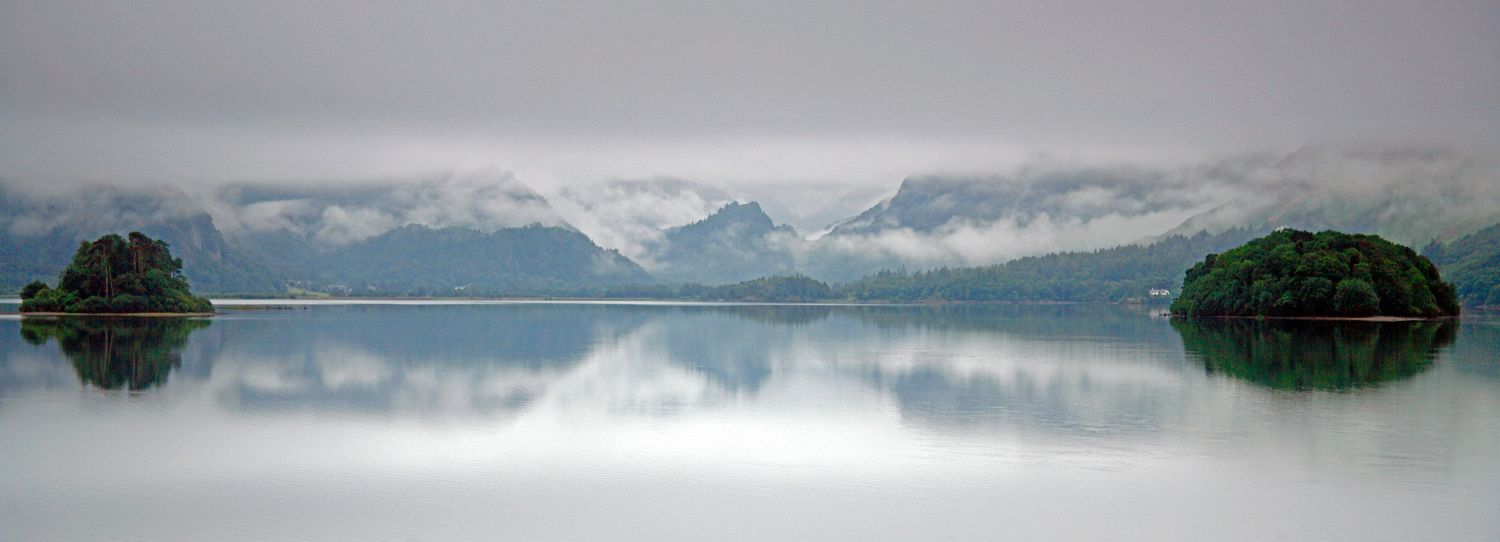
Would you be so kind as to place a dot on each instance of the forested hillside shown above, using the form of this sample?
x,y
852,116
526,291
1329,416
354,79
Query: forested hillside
x,y
1109,275
1473,264
418,260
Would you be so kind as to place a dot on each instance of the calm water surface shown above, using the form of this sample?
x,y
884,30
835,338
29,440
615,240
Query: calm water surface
x,y
659,421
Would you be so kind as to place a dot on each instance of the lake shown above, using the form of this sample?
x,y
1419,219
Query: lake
x,y
530,421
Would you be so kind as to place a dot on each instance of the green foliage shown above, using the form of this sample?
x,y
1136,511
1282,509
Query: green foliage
x,y
793,288
1473,264
1355,297
115,353
1297,273
119,275
31,290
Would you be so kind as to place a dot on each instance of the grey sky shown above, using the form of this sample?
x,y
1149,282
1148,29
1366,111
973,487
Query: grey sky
x,y
736,94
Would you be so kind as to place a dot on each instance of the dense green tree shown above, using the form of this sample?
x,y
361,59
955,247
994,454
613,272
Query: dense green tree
x,y
1298,273
31,290
118,275
1355,297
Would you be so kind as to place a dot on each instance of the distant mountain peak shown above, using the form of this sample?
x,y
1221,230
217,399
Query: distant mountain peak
x,y
736,211
743,218
747,207
737,242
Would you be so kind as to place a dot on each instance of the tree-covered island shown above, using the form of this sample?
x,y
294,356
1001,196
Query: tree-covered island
x,y
116,275
1293,273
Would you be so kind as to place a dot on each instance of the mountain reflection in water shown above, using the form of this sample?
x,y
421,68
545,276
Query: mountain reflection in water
x,y
943,366
512,420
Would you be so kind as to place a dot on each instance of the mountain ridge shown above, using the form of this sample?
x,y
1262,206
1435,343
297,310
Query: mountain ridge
x,y
39,232
735,243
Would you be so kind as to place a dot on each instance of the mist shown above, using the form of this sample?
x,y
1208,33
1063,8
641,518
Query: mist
x,y
1412,196
795,94
486,200
1101,125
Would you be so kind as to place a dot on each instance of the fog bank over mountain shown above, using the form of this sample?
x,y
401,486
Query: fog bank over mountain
x,y
951,133
484,200
630,215
367,147
671,230
1411,196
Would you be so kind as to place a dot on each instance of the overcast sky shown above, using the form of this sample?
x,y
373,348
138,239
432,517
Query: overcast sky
x,y
759,95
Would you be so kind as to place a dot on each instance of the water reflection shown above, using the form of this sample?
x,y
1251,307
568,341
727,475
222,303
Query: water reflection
x,y
1072,371
897,422
766,314
1073,321
452,360
1063,369
941,367
1323,355
1477,353
115,353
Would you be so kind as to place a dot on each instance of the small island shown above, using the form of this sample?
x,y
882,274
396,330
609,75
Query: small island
x,y
1293,273
118,275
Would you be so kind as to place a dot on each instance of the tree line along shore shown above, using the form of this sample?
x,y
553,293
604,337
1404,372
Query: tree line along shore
x,y
1286,274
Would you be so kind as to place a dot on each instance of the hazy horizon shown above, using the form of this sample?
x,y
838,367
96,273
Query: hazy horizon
x,y
633,118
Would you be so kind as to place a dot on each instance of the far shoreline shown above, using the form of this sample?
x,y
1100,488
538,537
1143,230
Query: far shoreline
x,y
237,302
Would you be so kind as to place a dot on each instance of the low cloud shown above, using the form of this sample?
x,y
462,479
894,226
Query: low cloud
x,y
1046,205
1410,196
39,210
631,215
968,243
486,200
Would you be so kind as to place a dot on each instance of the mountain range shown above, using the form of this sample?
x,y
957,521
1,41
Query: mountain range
x,y
280,239
488,234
